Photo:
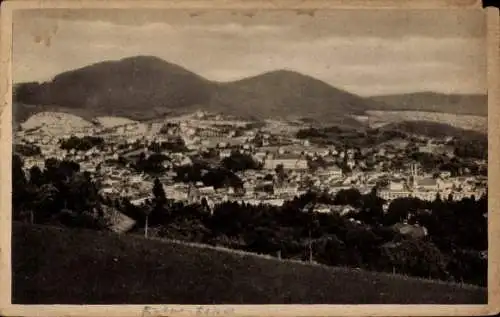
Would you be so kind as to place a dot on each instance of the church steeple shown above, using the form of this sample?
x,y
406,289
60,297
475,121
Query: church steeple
x,y
413,177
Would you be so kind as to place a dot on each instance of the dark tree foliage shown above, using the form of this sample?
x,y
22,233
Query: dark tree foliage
x,y
61,193
36,176
348,137
158,192
150,165
218,177
240,162
81,144
350,196
175,145
27,149
471,149
19,182
310,133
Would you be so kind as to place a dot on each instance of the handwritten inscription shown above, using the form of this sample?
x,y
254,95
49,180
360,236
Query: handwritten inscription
x,y
149,311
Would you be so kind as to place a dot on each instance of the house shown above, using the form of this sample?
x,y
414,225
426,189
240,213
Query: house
x,y
428,148
396,185
206,190
185,161
445,174
286,190
445,184
427,184
425,195
273,202
140,201
322,209
136,179
331,171
289,162
391,195
224,153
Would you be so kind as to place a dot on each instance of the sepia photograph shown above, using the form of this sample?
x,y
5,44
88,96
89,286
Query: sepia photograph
x,y
227,157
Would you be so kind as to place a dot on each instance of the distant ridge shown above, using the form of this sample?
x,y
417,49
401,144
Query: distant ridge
x,y
464,104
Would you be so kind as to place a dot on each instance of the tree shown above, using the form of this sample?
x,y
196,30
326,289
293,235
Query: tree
x,y
19,192
239,162
438,198
268,177
401,208
204,204
47,203
312,224
417,258
372,210
159,195
350,196
36,176
280,172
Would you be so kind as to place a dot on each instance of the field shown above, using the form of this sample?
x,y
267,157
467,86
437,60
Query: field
x,y
60,266
467,122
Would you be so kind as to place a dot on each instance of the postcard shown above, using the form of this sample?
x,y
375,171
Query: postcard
x,y
249,158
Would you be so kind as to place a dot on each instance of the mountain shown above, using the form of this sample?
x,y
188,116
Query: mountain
x,y
289,94
136,87
430,101
146,87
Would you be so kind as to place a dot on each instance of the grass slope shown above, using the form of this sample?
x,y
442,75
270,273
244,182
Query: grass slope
x,y
61,266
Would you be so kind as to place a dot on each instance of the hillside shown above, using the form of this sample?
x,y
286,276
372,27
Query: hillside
x,y
458,122
288,94
55,123
54,265
145,87
137,87
435,102
434,129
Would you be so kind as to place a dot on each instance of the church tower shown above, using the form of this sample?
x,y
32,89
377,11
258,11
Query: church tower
x,y
414,175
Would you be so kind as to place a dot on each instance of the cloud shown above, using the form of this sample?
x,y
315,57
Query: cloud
x,y
227,51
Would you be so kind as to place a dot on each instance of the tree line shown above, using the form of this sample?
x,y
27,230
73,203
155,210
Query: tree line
x,y
366,237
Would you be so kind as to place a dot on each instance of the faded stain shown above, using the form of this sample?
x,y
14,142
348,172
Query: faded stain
x,y
196,14
249,14
45,36
310,13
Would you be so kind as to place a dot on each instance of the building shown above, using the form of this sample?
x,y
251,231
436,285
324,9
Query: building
x,y
428,184
391,195
396,186
289,162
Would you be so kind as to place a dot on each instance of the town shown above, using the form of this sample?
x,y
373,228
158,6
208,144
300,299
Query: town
x,y
270,161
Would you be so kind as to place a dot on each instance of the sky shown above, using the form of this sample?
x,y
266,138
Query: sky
x,y
367,52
